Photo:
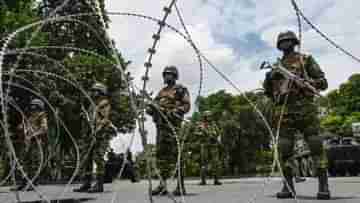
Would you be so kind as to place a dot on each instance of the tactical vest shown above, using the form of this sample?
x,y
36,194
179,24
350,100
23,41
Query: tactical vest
x,y
283,87
169,99
100,115
209,133
36,120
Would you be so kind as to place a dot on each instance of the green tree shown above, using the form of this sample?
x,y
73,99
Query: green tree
x,y
85,31
344,107
80,68
245,138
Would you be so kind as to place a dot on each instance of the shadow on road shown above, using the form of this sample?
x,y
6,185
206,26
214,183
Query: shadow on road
x,y
301,197
62,201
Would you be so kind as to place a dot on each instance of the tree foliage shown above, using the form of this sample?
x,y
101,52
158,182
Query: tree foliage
x,y
244,138
343,105
78,54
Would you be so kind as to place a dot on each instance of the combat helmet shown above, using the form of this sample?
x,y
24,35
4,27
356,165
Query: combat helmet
x,y
288,35
38,103
101,88
207,113
172,70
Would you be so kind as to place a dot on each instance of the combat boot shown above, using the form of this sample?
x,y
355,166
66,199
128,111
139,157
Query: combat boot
x,y
324,192
179,191
160,190
85,186
203,180
98,186
21,184
216,181
286,193
299,179
19,187
202,175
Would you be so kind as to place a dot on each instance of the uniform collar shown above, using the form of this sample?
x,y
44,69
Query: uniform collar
x,y
292,54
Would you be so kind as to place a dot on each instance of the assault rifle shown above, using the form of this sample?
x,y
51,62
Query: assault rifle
x,y
301,82
157,112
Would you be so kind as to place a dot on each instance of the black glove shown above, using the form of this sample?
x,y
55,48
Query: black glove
x,y
149,110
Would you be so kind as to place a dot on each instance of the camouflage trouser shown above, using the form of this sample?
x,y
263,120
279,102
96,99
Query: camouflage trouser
x,y
93,150
166,151
300,117
29,155
3,156
211,159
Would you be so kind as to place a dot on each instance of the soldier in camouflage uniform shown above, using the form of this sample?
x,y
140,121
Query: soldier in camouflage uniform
x,y
32,134
210,145
172,103
94,151
300,111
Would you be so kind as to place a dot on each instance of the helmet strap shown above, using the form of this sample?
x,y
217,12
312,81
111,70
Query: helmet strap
x,y
289,51
170,81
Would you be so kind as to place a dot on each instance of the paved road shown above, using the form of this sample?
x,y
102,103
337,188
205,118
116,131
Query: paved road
x,y
344,190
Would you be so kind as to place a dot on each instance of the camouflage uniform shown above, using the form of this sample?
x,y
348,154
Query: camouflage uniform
x,y
300,110
16,137
172,103
210,145
96,143
103,134
166,143
31,135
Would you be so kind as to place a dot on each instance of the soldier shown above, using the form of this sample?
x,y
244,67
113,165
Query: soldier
x,y
33,133
95,150
210,138
110,167
172,103
130,168
300,111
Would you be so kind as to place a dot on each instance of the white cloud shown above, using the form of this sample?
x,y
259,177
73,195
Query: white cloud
x,y
212,23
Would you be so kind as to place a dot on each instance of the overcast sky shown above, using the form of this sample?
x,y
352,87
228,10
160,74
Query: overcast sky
x,y
236,35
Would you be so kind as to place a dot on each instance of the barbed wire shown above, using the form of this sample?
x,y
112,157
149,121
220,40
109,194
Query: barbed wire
x,y
2,53
201,56
298,17
322,34
170,27
225,78
206,60
177,31
145,78
182,21
7,91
